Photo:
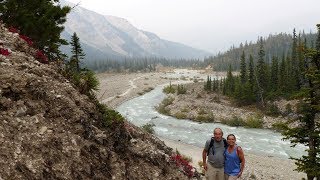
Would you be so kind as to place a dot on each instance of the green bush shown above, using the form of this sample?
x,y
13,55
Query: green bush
x,y
148,128
169,89
201,111
109,115
185,109
272,110
254,122
279,126
163,109
181,89
167,101
205,118
234,121
288,109
180,115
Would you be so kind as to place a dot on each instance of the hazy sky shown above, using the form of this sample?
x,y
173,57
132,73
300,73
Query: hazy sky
x,y
212,25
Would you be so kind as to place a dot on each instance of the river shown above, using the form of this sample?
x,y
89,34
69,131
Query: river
x,y
140,111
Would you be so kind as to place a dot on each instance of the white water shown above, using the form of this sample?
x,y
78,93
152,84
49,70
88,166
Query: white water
x,y
141,111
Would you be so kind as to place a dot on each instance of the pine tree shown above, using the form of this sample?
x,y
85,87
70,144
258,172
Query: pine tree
x,y
230,82
77,52
251,72
38,19
295,64
274,74
261,73
282,74
243,68
308,130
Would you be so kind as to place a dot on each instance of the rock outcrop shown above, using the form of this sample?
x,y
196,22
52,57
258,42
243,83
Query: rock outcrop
x,y
48,130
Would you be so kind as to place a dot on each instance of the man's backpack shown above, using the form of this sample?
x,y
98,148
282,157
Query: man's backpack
x,y
212,143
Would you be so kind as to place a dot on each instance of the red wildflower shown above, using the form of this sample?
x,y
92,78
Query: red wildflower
x,y
4,52
27,39
41,57
13,30
183,164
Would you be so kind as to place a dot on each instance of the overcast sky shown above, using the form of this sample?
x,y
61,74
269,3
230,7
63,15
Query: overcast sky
x,y
212,25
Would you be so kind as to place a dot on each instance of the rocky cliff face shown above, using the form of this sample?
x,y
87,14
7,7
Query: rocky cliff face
x,y
48,130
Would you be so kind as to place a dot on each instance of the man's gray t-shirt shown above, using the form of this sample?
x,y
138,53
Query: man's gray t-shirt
x,y
216,160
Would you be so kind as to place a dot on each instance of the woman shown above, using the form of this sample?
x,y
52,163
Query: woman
x,y
234,162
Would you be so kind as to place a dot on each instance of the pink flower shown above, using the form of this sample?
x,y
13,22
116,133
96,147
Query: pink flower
x,y
4,52
27,39
41,57
13,30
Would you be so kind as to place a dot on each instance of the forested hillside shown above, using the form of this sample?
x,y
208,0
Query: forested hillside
x,y
278,45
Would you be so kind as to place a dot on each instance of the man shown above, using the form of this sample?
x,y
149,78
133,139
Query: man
x,y
215,166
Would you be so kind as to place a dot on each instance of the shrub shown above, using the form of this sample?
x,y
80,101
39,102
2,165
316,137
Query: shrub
x,y
272,110
201,111
185,109
163,109
279,126
109,116
288,109
181,89
180,115
205,118
235,121
169,89
148,128
88,82
167,101
254,122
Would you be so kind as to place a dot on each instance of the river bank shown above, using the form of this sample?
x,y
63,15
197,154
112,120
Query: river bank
x,y
118,88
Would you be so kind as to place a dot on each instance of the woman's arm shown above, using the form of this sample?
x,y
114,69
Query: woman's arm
x,y
242,160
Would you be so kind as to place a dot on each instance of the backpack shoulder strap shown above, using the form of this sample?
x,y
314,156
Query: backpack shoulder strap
x,y
225,143
210,145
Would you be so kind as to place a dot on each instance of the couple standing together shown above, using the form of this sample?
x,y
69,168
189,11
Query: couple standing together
x,y
225,159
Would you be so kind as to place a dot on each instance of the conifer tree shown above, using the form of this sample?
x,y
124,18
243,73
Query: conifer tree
x,y
282,74
251,72
243,68
295,64
230,82
77,52
261,73
308,130
274,74
38,19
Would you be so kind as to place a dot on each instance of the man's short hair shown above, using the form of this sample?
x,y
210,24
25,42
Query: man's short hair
x,y
218,129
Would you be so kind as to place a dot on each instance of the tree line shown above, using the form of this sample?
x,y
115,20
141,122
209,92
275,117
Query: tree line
x,y
274,45
134,64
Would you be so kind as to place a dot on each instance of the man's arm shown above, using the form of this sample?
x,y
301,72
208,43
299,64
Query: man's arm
x,y
242,160
204,159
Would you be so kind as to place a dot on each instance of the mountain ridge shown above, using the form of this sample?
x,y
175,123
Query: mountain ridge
x,y
117,36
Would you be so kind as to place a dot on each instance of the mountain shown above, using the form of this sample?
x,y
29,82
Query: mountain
x,y
109,36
